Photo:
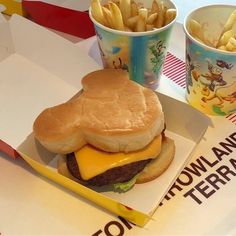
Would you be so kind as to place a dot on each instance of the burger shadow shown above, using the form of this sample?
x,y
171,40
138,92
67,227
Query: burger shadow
x,y
33,149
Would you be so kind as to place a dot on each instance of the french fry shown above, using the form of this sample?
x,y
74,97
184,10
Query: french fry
x,y
231,45
151,19
223,48
134,9
149,27
230,22
127,29
108,17
161,15
130,15
227,39
196,30
234,28
194,27
117,20
224,39
125,8
232,40
154,8
97,12
141,23
132,21
228,31
169,16
117,2
106,6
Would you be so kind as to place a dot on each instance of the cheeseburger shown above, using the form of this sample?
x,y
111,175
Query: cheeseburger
x,y
112,133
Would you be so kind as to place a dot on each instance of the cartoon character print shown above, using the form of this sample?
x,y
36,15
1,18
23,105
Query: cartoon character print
x,y
215,87
227,93
114,52
214,76
121,65
211,83
158,55
224,64
192,72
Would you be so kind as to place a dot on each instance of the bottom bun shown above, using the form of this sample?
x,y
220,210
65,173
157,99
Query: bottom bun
x,y
158,165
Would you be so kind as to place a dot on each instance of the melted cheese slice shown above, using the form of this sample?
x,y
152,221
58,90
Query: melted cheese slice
x,y
93,162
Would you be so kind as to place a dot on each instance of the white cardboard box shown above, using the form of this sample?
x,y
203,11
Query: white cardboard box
x,y
43,70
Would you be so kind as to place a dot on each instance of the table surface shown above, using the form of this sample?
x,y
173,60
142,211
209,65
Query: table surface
x,y
37,202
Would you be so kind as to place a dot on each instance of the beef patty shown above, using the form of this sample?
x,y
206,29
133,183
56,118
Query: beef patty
x,y
115,175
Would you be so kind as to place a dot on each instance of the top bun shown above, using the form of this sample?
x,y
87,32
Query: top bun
x,y
112,113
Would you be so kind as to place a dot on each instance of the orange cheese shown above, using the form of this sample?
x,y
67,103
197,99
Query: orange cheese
x,y
93,162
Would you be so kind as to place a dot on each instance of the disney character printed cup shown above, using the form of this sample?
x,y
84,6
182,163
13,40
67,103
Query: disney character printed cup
x,y
142,54
210,72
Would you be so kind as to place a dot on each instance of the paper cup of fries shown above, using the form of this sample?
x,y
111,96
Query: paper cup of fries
x,y
211,59
133,35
